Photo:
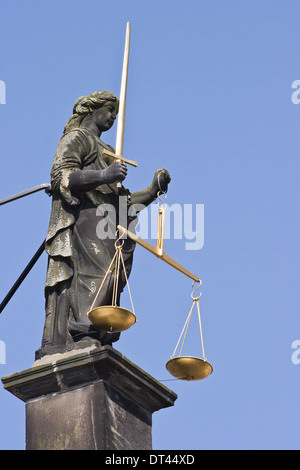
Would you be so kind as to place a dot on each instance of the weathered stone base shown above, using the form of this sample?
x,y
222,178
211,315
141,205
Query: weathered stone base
x,y
88,400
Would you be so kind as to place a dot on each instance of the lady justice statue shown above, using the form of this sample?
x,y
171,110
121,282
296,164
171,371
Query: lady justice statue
x,y
83,179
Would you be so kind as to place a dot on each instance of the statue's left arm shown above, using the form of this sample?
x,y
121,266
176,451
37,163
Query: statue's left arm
x,y
159,185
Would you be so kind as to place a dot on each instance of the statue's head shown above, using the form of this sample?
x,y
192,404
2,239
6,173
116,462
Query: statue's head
x,y
85,105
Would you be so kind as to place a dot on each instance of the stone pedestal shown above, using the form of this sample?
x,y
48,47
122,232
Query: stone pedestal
x,y
88,399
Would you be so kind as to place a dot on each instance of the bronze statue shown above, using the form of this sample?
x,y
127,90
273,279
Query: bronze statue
x,y
83,179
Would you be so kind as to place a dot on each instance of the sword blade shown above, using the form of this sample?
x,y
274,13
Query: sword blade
x,y
123,92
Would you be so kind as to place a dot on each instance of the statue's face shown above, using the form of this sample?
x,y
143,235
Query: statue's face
x,y
105,116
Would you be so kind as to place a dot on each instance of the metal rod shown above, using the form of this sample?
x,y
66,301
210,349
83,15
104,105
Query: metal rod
x,y
154,250
113,155
27,192
123,91
22,276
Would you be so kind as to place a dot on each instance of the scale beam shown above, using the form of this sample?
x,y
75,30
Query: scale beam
x,y
157,252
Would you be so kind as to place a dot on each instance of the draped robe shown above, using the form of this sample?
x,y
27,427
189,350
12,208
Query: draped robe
x,y
78,258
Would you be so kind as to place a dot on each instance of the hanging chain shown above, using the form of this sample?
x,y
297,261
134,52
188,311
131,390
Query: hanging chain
x,y
118,259
123,264
200,326
106,274
186,325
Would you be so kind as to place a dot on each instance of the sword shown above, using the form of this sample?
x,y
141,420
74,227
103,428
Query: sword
x,y
118,155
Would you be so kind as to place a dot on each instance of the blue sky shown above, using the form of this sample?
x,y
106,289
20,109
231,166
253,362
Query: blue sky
x,y
209,98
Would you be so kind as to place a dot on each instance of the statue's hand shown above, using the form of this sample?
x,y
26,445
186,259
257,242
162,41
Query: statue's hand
x,y
160,182
115,172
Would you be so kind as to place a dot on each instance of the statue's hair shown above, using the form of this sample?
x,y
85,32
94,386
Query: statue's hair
x,y
86,104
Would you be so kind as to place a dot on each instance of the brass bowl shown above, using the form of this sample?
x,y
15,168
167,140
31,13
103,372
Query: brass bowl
x,y
110,318
189,368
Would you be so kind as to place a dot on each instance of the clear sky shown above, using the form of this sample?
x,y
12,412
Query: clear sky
x,y
210,99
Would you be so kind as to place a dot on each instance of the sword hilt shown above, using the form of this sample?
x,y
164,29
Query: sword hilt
x,y
119,157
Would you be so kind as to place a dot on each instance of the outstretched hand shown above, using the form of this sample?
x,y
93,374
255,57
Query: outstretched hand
x,y
160,182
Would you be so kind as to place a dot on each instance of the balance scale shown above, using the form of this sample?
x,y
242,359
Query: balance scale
x,y
114,318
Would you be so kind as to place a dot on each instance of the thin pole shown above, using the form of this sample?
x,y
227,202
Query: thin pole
x,y
22,276
27,192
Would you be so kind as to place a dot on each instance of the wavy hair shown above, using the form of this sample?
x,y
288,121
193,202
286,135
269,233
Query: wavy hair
x,y
86,105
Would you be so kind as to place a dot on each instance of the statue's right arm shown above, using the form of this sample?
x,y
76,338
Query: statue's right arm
x,y
85,180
